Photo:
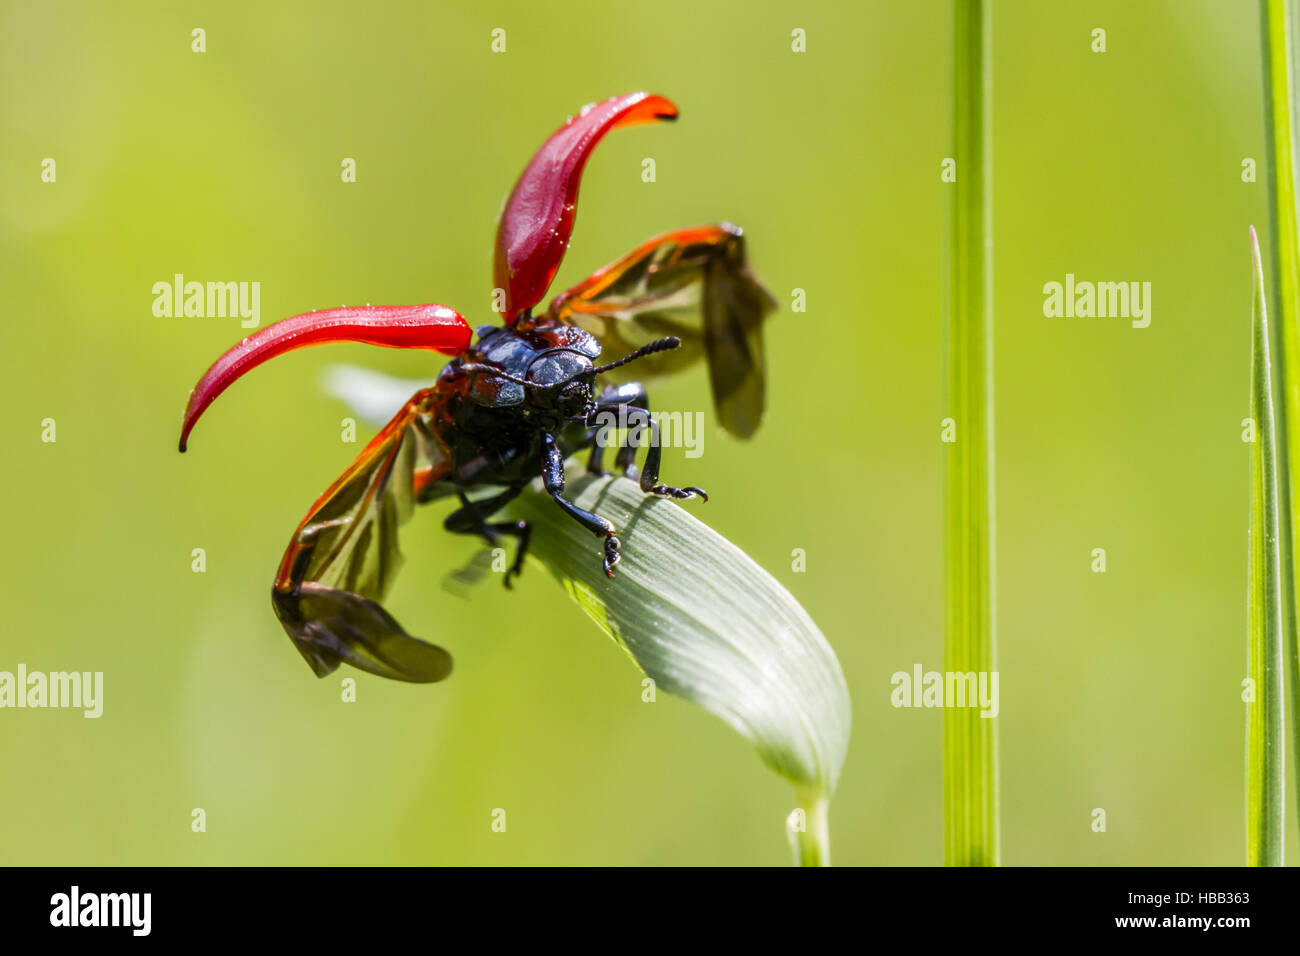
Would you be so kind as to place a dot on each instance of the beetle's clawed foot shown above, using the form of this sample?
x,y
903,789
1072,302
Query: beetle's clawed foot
x,y
681,494
612,554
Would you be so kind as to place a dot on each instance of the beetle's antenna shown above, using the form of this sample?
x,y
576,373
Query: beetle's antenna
x,y
498,373
658,345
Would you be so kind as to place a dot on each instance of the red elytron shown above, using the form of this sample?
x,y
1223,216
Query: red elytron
x,y
513,404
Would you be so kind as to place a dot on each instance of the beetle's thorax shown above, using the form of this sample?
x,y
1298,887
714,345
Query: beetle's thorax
x,y
539,376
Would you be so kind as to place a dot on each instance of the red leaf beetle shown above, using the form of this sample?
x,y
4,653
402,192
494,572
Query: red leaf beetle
x,y
515,403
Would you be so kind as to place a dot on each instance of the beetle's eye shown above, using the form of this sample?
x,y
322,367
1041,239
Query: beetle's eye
x,y
573,398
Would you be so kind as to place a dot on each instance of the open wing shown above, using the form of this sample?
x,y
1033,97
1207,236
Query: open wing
x,y
433,327
695,284
537,219
344,556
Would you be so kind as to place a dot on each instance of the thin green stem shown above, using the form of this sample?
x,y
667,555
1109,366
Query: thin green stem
x,y
1265,753
1278,28
970,757
809,831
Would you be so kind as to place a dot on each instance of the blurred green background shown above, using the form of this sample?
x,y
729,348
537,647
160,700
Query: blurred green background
x,y
1118,690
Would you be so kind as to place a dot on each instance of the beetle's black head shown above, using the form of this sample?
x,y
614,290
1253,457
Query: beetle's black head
x,y
562,381
557,381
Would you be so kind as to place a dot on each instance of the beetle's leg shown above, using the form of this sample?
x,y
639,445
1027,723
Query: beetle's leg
x,y
596,461
642,420
612,396
632,395
553,479
469,519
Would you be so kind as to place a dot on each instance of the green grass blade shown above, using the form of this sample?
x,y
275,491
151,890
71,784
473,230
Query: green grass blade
x,y
1278,28
970,771
1265,755
697,615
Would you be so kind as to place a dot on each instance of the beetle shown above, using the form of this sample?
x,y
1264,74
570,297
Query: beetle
x,y
519,400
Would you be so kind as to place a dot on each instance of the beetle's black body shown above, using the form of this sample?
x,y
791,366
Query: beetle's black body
x,y
523,399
